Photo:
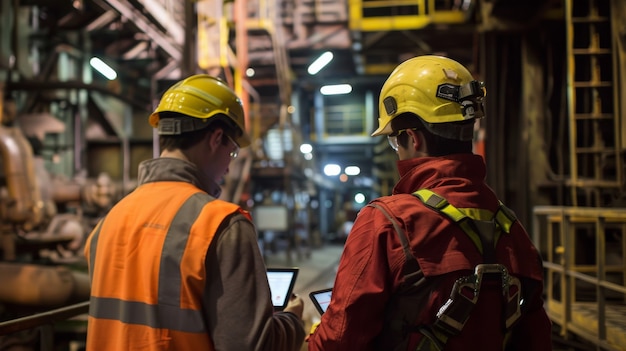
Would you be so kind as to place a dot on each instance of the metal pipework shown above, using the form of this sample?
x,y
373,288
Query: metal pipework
x,y
22,202
33,285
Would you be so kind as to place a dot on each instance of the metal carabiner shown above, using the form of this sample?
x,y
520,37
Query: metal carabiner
x,y
511,291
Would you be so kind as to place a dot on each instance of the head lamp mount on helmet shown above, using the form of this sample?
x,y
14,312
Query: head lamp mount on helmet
x,y
469,96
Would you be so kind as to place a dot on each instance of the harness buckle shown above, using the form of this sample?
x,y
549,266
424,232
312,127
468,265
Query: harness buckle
x,y
453,315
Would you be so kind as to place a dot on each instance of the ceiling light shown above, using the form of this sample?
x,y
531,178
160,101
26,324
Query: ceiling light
x,y
359,198
103,68
353,170
306,148
337,89
320,63
332,170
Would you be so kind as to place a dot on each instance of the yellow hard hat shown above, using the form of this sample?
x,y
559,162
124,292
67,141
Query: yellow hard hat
x,y
200,96
435,88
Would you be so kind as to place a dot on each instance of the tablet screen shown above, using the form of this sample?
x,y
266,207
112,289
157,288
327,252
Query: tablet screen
x,y
281,282
321,299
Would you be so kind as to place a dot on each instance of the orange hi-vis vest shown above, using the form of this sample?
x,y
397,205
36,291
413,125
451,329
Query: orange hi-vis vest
x,y
147,267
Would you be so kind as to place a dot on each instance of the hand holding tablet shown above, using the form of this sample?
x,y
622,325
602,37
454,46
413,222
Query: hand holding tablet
x,y
321,299
282,281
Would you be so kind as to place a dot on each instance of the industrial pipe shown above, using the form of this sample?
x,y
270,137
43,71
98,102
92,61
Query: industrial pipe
x,y
35,285
23,204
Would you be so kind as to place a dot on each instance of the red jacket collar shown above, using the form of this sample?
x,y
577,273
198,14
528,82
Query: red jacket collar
x,y
429,172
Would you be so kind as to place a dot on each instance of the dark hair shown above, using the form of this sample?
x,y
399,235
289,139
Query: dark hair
x,y
185,141
437,145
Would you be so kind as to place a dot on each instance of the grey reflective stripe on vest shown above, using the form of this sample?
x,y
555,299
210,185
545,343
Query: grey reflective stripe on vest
x,y
154,316
167,313
174,248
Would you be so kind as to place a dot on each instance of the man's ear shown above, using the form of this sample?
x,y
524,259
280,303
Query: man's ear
x,y
215,138
416,139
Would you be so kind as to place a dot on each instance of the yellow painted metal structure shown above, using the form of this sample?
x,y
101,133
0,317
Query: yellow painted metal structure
x,y
585,259
380,16
592,89
400,14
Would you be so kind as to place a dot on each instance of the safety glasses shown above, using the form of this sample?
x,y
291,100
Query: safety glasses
x,y
233,154
393,138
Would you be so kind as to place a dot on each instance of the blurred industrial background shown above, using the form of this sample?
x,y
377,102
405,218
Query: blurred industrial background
x,y
73,133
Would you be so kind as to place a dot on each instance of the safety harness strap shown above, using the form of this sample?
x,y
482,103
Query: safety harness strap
x,y
439,204
412,264
484,231
432,341
479,230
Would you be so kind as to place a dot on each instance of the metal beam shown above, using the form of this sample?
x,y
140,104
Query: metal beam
x,y
106,18
166,19
133,15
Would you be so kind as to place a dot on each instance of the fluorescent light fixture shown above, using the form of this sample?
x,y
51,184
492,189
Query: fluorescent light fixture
x,y
104,69
353,170
332,170
337,89
320,63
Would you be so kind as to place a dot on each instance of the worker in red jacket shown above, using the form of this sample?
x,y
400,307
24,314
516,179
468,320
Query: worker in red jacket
x,y
172,266
441,264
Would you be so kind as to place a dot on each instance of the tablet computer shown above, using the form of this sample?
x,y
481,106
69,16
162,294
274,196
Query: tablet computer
x,y
321,299
282,281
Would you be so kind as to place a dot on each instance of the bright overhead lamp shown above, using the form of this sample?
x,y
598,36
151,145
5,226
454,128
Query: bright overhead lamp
x,y
352,170
359,198
337,89
306,148
104,69
320,63
332,169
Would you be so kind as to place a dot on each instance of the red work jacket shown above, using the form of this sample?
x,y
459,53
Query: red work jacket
x,y
147,267
374,269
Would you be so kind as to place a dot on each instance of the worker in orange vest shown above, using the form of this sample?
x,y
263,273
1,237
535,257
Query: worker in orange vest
x,y
172,267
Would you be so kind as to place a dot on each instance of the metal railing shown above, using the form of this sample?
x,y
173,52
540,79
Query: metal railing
x,y
44,321
584,252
